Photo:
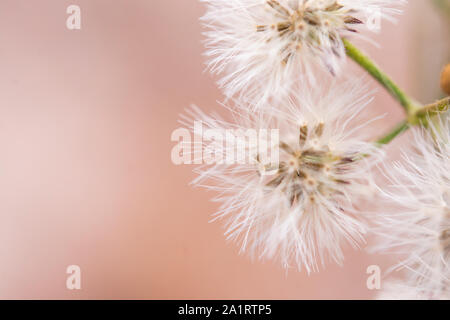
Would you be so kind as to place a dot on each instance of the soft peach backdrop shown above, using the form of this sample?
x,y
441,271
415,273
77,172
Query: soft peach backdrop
x,y
85,170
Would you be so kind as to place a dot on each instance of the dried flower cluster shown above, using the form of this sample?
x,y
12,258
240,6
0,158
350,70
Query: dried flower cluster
x,y
260,47
302,209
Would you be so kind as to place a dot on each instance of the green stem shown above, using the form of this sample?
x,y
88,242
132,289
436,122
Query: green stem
x,y
398,130
416,113
367,64
419,117
433,109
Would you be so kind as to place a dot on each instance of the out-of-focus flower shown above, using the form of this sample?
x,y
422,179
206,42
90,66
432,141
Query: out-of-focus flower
x,y
260,47
397,290
299,208
417,227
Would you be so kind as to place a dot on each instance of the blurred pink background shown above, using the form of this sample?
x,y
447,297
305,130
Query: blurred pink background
x,y
85,171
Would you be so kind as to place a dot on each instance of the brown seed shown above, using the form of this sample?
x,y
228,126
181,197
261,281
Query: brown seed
x,y
445,235
303,134
319,129
312,20
352,20
278,7
283,26
261,28
445,79
287,148
276,181
334,7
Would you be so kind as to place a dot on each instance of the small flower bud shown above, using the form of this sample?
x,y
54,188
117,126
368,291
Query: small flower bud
x,y
445,79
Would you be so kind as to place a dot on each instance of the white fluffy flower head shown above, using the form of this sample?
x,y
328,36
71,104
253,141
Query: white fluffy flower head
x,y
259,46
300,210
418,227
398,290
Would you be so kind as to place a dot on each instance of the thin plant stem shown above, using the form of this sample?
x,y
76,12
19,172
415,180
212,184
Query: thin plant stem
x,y
398,130
416,113
421,116
367,64
433,108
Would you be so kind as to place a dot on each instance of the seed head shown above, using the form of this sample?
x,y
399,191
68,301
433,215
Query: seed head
x,y
299,208
261,47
